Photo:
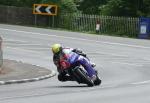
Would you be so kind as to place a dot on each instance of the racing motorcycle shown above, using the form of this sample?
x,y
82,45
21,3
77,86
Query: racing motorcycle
x,y
73,68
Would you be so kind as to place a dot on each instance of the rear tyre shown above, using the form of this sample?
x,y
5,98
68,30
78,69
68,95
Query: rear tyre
x,y
84,78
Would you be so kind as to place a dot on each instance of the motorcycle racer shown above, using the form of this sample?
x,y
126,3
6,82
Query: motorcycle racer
x,y
60,53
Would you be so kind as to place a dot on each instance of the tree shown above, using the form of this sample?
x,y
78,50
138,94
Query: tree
x,y
126,8
90,6
19,3
145,8
104,7
64,5
68,6
120,8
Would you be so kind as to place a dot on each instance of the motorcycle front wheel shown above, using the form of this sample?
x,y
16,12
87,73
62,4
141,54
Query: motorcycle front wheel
x,y
84,77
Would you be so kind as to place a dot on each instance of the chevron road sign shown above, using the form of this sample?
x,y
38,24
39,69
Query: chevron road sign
x,y
45,9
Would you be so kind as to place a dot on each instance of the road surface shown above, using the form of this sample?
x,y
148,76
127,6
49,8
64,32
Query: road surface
x,y
123,65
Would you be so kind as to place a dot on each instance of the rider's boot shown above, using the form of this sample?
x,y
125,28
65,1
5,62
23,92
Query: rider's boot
x,y
93,64
64,78
93,78
70,78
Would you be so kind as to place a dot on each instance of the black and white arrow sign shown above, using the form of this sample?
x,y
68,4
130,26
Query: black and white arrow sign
x,y
38,9
48,9
45,9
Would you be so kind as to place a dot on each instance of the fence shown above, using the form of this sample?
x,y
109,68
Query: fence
x,y
121,26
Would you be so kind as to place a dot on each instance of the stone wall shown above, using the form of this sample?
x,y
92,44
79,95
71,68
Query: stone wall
x,y
22,16
1,53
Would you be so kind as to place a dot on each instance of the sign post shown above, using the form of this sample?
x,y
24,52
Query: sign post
x,y
45,9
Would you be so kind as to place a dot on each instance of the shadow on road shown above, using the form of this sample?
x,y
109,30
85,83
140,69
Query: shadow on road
x,y
79,86
69,86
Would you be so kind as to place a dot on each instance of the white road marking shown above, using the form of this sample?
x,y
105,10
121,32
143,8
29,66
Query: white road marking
x,y
30,51
112,54
112,43
136,83
10,40
109,86
131,64
23,44
142,82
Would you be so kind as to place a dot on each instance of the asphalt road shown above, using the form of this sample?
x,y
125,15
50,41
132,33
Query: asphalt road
x,y
123,66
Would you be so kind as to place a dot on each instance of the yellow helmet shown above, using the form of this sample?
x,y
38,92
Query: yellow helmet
x,y
56,48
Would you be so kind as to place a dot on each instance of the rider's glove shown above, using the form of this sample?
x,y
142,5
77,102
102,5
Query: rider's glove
x,y
80,52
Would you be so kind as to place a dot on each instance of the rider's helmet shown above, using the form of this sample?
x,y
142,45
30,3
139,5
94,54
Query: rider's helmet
x,y
56,48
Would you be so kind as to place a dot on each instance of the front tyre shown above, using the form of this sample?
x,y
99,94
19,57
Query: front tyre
x,y
84,77
97,81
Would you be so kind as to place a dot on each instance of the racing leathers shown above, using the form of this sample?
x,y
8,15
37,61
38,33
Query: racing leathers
x,y
62,76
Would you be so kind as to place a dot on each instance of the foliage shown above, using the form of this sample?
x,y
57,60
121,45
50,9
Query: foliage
x,y
116,7
146,8
133,8
68,6
19,3
64,5
121,8
90,6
